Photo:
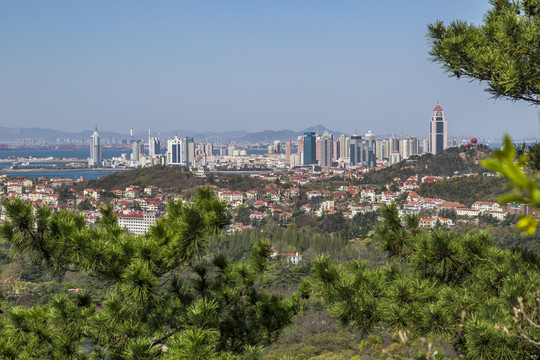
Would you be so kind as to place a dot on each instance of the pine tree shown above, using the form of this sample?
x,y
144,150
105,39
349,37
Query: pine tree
x,y
167,299
503,52
439,284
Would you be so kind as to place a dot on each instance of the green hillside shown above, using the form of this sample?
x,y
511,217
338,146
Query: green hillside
x,y
173,178
466,190
446,163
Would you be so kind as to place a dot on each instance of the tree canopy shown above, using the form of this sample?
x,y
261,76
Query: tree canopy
x,y
166,298
438,284
504,51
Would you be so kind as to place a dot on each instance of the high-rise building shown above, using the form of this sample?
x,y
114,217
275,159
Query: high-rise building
x,y
337,150
309,142
326,147
209,149
295,161
318,148
277,147
343,146
409,147
438,131
188,151
174,151
386,149
355,149
370,148
288,151
154,147
379,149
180,151
300,146
393,143
136,150
395,157
95,150
425,145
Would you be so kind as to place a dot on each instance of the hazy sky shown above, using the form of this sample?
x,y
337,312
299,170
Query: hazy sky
x,y
230,65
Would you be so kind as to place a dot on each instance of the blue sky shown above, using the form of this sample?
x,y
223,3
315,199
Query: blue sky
x,y
239,65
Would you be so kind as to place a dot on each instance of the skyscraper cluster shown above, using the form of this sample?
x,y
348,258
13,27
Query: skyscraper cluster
x,y
312,149
356,150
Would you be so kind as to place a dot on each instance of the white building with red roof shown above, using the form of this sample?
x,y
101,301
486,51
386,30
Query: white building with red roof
x,y
230,196
486,206
430,223
137,222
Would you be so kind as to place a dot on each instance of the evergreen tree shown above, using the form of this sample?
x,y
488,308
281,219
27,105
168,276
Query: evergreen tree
x,y
166,299
440,284
504,52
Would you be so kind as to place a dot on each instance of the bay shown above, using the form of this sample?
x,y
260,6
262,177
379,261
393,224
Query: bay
x,y
81,155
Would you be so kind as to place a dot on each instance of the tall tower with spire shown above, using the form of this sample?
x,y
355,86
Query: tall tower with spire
x,y
95,150
438,132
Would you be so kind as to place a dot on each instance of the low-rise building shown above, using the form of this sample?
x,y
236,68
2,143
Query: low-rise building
x,y
485,206
430,223
230,196
137,222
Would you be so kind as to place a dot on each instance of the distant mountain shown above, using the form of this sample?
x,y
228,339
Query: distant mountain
x,y
271,135
208,136
320,129
51,136
268,135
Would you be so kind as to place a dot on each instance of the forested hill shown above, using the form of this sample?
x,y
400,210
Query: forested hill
x,y
466,190
460,159
175,178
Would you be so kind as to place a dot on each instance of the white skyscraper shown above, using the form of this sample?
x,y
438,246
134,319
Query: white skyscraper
x,y
174,150
137,150
95,150
154,147
344,146
408,147
180,151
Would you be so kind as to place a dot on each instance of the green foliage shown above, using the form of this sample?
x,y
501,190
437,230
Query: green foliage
x,y
448,214
175,178
503,52
449,286
163,300
524,186
85,205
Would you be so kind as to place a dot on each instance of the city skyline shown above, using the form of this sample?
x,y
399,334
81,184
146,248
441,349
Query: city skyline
x,y
240,65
